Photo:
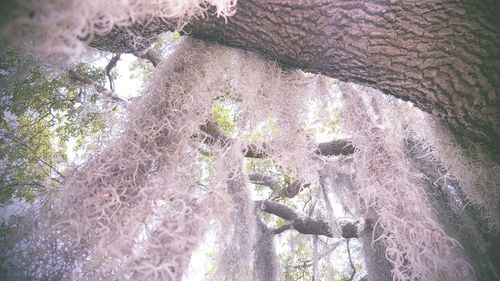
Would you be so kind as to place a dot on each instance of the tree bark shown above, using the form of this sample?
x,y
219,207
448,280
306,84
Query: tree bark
x,y
77,77
442,55
378,266
304,225
213,135
266,266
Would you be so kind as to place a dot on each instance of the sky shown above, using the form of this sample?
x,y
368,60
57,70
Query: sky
x,y
126,86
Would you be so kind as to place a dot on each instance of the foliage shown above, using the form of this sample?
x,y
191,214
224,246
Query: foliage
x,y
224,113
43,118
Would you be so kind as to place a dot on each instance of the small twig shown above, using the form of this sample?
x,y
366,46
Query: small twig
x,y
315,258
87,81
350,261
309,199
327,251
252,150
112,64
35,155
304,225
305,264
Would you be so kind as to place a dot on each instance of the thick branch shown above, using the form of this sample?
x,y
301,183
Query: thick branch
x,y
261,179
256,151
292,189
329,250
335,147
441,55
214,134
153,56
301,224
311,226
112,64
87,81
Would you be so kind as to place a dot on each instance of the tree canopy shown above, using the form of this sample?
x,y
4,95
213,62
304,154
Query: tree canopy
x,y
261,162
40,115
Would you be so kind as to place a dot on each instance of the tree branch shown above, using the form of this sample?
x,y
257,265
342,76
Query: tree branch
x,y
335,147
277,209
87,81
290,190
301,224
33,151
152,56
214,134
261,179
387,45
308,263
112,64
350,261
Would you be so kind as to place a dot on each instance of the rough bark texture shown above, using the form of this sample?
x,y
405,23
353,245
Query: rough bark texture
x,y
377,265
442,55
77,77
304,225
213,135
335,147
266,266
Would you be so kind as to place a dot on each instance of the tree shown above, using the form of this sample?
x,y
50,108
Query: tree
x,y
140,207
40,111
440,55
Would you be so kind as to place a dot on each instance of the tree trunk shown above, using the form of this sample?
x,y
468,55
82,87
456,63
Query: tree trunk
x,y
378,267
442,55
266,266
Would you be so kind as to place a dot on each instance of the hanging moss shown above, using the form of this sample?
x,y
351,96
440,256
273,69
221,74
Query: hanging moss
x,y
135,210
64,27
